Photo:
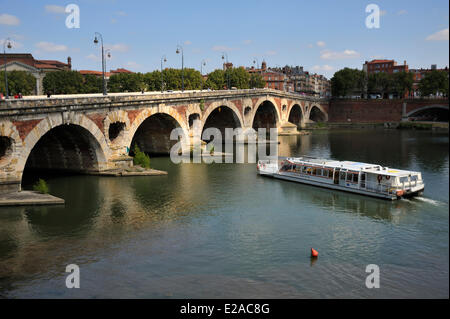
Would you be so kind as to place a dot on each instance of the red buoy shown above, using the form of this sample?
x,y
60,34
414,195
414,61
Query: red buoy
x,y
314,253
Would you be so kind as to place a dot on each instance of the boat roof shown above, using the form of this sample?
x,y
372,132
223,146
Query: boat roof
x,y
351,166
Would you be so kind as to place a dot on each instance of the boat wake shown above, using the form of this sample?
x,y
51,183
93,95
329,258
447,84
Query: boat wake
x,y
428,200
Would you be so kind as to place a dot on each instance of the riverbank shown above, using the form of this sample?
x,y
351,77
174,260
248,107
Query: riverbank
x,y
438,126
29,198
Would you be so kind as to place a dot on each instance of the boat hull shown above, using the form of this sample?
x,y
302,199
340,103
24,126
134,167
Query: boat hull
x,y
291,178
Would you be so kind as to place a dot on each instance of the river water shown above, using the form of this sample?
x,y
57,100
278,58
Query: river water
x,y
221,231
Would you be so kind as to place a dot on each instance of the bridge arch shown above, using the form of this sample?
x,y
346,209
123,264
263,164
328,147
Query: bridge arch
x,y
213,107
151,130
316,113
73,144
295,115
439,111
266,113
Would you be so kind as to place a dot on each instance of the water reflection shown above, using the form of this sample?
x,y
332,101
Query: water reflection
x,y
225,220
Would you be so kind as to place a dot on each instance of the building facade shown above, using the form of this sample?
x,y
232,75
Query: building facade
x,y
38,68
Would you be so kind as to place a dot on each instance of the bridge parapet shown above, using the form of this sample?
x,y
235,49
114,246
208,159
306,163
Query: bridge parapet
x,y
93,133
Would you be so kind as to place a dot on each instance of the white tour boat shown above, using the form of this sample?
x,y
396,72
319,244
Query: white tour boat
x,y
366,179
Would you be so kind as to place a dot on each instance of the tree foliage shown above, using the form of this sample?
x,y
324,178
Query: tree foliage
x,y
18,82
347,82
435,82
63,82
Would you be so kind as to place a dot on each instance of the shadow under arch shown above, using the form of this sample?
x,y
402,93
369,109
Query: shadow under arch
x,y
152,136
295,115
434,113
265,116
65,148
222,117
316,114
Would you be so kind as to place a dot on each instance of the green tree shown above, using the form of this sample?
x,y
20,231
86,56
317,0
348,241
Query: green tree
x,y
152,81
434,82
380,83
18,82
63,82
347,81
125,82
239,78
91,84
216,80
257,81
402,83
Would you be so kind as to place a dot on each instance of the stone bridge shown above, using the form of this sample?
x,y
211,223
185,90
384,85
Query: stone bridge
x,y
95,133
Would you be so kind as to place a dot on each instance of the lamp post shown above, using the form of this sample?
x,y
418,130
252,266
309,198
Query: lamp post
x,y
163,59
180,48
4,54
103,60
226,68
201,70
256,63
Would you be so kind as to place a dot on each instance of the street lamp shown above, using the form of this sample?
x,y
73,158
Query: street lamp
x,y
256,63
180,48
103,60
226,68
201,70
4,54
163,59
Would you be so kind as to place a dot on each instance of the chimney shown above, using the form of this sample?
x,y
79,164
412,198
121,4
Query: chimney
x,y
404,62
69,62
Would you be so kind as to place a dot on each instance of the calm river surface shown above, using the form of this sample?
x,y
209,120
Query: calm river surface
x,y
207,231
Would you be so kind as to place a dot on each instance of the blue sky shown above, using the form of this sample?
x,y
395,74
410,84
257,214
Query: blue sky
x,y
323,36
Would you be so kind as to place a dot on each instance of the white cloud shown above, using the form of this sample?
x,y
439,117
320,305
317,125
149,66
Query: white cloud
x,y
132,64
14,44
334,55
247,42
324,67
310,45
93,57
271,52
9,19
113,20
51,8
187,42
320,44
222,48
51,47
383,12
401,12
121,13
118,47
438,36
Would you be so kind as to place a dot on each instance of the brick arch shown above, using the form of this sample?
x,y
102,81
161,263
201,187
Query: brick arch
x,y
7,166
218,104
260,102
426,107
300,104
101,148
302,110
311,106
146,113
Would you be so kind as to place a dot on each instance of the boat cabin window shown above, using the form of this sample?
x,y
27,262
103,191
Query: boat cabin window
x,y
404,179
414,178
343,175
